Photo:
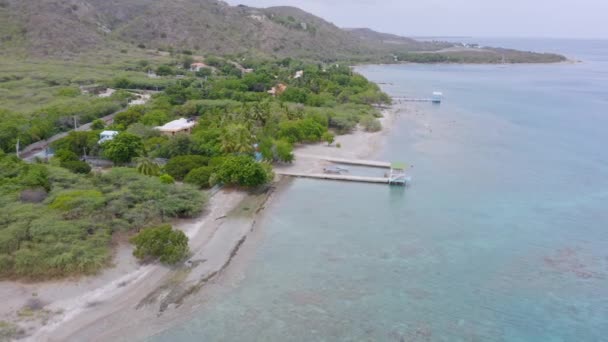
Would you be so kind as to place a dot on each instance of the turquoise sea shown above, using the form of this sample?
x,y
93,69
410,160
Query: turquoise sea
x,y
503,235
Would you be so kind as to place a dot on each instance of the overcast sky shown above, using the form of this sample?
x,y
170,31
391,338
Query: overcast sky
x,y
480,18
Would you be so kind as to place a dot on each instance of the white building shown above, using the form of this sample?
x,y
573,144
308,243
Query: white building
x,y
107,136
177,126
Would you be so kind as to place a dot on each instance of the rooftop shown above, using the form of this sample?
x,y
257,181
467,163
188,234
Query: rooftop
x,y
177,125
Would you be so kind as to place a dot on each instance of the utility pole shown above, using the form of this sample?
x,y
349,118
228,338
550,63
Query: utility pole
x,y
75,126
17,147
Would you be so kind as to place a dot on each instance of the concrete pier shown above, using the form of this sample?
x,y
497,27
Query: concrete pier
x,y
360,179
370,163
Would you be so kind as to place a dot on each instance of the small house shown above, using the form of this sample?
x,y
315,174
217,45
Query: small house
x,y
278,89
106,136
197,66
177,126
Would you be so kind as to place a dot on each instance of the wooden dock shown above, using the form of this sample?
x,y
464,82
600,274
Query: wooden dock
x,y
360,179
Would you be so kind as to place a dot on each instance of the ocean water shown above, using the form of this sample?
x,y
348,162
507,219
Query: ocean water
x,y
503,235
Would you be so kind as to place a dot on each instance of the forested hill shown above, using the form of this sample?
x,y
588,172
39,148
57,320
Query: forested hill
x,y
67,28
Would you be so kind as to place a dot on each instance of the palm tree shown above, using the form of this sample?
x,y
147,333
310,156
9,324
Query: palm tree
x,y
236,138
147,166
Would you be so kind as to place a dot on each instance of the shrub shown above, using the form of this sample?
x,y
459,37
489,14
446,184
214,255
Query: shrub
x,y
199,176
371,124
284,151
166,179
178,167
68,92
77,166
164,70
68,200
328,137
66,156
162,242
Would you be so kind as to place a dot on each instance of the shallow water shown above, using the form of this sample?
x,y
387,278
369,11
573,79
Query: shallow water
x,y
502,237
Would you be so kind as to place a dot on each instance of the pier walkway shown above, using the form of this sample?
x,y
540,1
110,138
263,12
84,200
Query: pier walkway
x,y
360,179
345,161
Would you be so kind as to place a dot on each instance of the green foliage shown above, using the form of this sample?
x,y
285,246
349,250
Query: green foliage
x,y
84,199
69,233
178,167
328,137
68,92
124,147
98,125
162,242
166,179
78,142
66,156
204,72
129,116
242,171
236,138
371,124
306,130
164,70
295,94
76,166
277,150
147,166
199,176
187,61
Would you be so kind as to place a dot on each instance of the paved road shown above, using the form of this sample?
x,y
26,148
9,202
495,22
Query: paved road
x,y
37,149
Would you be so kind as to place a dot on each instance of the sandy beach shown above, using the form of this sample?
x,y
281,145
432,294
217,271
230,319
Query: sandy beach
x,y
144,299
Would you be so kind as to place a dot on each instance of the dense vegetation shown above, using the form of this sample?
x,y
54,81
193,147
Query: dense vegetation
x,y
57,223
237,118
59,217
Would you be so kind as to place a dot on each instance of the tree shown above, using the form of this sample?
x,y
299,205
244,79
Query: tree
x,y
187,61
98,124
147,166
236,138
242,171
277,150
284,151
123,148
178,167
164,70
162,242
66,156
129,116
79,142
328,137
199,176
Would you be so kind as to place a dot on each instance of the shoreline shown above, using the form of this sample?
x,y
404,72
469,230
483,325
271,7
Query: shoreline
x,y
129,293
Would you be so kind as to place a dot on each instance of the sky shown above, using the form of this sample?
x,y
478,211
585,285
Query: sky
x,y
478,18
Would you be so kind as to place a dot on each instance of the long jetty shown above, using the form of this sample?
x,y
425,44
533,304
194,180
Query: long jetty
x,y
359,162
360,179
